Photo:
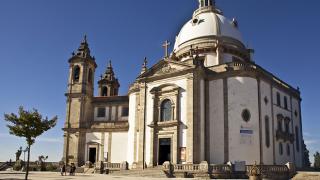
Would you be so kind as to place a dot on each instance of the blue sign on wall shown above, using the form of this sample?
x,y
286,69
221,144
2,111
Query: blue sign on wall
x,y
246,131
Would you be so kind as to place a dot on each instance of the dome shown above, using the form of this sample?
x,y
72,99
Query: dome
x,y
207,24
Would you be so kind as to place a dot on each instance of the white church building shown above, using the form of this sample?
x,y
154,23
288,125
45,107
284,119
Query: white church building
x,y
205,101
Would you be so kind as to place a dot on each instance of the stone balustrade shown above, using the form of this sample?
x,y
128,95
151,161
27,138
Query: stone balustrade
x,y
227,171
108,167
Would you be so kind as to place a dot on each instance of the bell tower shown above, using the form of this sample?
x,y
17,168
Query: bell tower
x,y
79,97
108,84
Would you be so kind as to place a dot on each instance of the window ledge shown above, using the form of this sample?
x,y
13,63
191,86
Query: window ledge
x,y
164,124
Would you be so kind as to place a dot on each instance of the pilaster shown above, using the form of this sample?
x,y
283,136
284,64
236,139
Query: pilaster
x,y
142,116
109,146
102,146
226,119
190,119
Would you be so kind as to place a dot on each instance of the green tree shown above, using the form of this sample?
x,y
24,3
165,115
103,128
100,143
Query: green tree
x,y
306,160
317,160
30,125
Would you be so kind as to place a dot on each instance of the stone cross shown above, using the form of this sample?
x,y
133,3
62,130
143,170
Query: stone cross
x,y
166,48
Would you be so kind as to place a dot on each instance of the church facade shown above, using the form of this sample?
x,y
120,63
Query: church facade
x,y
206,101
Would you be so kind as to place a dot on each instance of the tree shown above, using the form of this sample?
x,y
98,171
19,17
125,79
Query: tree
x,y
317,160
306,160
30,125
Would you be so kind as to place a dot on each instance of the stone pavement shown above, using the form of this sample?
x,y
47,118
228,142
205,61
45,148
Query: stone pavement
x,y
4,175
56,176
307,175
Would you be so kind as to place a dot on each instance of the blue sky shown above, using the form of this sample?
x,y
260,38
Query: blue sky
x,y
37,38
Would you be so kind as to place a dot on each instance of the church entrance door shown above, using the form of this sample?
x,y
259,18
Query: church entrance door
x,y
92,155
164,150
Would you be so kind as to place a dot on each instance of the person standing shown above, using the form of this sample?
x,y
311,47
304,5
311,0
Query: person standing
x,y
63,170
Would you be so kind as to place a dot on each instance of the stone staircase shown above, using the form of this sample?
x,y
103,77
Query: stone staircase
x,y
155,172
87,170
4,166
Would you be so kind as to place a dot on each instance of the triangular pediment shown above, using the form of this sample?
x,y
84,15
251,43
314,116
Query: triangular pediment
x,y
165,67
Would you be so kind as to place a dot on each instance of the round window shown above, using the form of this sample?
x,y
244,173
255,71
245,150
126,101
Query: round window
x,y
246,115
195,21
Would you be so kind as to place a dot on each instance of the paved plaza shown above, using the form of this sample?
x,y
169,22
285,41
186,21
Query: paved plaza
x,y
56,176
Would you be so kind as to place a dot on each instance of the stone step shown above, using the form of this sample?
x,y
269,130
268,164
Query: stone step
x,y
151,172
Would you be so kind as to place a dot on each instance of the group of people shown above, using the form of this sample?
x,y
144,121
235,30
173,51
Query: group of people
x,y
72,170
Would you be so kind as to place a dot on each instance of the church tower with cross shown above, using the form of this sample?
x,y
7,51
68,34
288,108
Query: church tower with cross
x,y
79,98
206,101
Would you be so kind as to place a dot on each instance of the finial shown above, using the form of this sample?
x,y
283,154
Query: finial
x,y
85,39
145,62
144,66
110,64
235,23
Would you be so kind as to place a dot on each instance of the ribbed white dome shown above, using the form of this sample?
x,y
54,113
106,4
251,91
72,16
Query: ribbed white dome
x,y
205,25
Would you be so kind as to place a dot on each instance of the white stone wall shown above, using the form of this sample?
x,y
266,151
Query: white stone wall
x,y
179,81
95,137
216,118
266,111
243,94
131,131
106,147
119,147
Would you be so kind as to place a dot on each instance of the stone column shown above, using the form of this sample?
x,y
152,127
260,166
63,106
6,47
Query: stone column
x,y
189,149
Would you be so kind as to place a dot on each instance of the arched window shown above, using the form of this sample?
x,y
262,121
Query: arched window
x,y
288,150
267,126
285,99
90,76
104,91
278,99
297,139
166,108
76,74
280,148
